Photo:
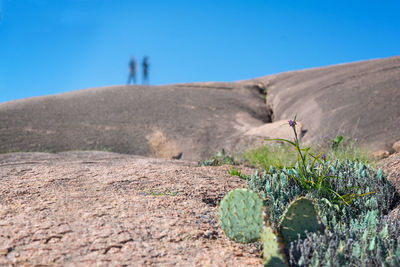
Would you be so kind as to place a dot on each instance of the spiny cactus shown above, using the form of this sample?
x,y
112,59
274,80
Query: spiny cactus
x,y
358,234
279,189
240,215
271,248
274,262
299,217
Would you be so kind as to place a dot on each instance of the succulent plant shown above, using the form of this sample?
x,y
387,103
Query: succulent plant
x,y
300,217
221,158
353,201
271,248
240,215
358,234
279,190
274,261
375,245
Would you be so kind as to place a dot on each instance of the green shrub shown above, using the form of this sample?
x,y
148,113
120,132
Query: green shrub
x,y
352,199
342,148
235,172
270,155
338,148
369,241
346,224
221,158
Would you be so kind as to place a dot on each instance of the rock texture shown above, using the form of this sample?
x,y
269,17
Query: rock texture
x,y
391,166
196,120
358,99
276,129
380,154
105,209
396,146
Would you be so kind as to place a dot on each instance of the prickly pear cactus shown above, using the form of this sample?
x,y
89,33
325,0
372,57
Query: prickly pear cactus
x,y
300,216
271,247
274,262
240,215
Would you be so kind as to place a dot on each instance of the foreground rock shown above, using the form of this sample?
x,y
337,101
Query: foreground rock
x,y
380,154
396,147
391,166
105,209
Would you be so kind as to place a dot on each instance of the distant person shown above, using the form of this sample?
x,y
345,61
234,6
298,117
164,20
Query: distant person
x,y
132,71
145,65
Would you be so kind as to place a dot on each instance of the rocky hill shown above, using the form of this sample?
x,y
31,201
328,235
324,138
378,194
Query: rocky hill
x,y
194,121
360,100
91,208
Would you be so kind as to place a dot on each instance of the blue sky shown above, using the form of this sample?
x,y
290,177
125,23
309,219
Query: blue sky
x,y
54,46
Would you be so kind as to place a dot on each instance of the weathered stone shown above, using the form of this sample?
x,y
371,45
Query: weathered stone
x,y
86,210
396,146
380,154
277,129
332,100
391,167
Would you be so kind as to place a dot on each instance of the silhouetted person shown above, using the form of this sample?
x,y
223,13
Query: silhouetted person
x,y
145,65
132,71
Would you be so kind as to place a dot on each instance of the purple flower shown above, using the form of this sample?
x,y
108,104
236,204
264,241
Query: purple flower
x,y
292,123
323,157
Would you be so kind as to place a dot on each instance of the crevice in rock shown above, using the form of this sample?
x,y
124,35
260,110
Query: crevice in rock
x,y
212,202
6,251
262,89
270,112
51,237
126,241
110,247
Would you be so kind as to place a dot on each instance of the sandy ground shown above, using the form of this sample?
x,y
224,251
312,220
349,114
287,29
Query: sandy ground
x,y
106,209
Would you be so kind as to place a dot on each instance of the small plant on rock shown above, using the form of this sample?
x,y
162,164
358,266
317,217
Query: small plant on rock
x,y
275,154
314,177
219,159
315,213
345,148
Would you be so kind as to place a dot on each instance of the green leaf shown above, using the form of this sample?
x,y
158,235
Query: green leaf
x,y
283,140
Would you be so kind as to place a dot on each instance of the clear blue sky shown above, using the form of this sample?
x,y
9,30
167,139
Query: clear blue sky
x,y
54,46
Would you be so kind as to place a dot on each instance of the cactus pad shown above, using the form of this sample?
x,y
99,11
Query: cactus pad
x,y
271,247
274,262
299,217
240,215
